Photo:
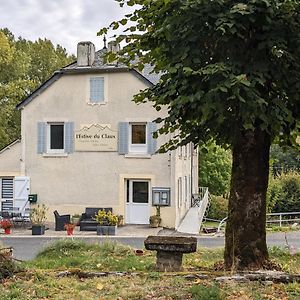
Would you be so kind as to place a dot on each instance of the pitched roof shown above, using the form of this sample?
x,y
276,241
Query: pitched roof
x,y
99,66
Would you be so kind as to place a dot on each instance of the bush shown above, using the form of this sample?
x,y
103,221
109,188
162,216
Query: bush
x,y
284,193
218,208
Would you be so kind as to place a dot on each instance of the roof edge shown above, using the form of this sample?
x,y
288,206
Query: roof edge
x,y
40,89
10,145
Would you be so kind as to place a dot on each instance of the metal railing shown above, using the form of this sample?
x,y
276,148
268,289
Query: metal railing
x,y
282,218
197,198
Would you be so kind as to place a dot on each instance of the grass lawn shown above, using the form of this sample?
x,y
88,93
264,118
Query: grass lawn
x,y
38,278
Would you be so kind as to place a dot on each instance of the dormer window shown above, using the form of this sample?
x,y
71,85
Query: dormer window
x,y
97,90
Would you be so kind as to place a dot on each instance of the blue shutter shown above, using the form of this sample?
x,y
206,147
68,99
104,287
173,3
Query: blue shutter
x,y
41,138
151,141
123,137
96,89
69,137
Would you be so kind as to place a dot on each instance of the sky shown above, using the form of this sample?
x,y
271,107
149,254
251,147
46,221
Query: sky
x,y
64,22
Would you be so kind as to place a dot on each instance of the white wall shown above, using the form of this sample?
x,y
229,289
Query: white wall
x,y
10,160
81,179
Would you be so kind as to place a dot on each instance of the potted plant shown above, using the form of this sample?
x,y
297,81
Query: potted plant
x,y
120,220
70,228
38,219
75,219
107,222
155,220
6,225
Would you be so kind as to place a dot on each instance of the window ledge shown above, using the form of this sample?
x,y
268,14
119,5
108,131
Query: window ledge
x,y
55,155
138,155
97,103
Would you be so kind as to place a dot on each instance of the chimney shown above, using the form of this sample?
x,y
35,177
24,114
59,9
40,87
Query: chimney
x,y
85,54
114,47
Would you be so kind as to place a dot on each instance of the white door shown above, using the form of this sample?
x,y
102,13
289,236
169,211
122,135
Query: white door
x,y
22,187
137,202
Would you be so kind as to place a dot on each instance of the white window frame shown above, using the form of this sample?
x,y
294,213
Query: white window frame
x,y
137,148
49,150
105,94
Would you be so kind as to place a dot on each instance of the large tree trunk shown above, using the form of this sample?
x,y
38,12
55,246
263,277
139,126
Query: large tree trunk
x,y
245,241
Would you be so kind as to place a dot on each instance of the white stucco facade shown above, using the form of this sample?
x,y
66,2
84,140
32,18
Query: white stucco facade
x,y
70,182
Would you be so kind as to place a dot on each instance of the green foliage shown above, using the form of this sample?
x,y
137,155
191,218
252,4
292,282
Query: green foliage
x,y
202,292
284,159
106,218
108,256
24,66
218,208
284,193
215,169
227,67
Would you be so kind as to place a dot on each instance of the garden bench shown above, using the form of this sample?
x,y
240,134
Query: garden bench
x,y
169,250
87,222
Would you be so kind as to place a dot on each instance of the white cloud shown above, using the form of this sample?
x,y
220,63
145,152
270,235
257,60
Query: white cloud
x,y
64,22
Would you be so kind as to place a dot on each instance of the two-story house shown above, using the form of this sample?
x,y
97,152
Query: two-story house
x,y
85,143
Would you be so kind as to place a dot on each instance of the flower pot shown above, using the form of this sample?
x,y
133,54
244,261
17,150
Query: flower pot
x,y
139,252
70,231
106,230
38,229
7,230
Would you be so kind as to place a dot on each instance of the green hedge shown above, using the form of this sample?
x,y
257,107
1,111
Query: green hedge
x,y
218,208
284,193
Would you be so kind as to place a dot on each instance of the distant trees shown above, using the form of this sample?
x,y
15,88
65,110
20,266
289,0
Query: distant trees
x,y
24,65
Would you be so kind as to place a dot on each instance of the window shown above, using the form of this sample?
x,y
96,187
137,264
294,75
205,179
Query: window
x,y
138,138
179,192
56,137
97,90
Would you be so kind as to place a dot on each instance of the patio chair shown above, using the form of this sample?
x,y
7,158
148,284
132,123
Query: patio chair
x,y
61,220
5,215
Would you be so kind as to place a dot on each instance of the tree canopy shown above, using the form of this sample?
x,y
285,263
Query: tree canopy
x,y
230,71
24,65
226,64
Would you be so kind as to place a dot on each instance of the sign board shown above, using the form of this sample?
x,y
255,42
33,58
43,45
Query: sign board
x,y
96,137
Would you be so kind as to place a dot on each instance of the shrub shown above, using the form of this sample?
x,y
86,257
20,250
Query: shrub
x,y
284,193
218,208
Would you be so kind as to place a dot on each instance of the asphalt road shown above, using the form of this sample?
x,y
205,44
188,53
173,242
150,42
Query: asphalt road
x,y
26,248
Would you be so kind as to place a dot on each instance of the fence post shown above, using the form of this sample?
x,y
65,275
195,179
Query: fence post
x,y
280,220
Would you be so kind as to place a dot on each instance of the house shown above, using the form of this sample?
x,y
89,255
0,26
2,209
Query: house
x,y
85,143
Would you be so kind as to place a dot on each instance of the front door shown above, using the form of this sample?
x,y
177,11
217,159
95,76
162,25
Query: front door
x,y
137,202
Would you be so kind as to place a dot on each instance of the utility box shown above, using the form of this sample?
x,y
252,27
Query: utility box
x,y
32,198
